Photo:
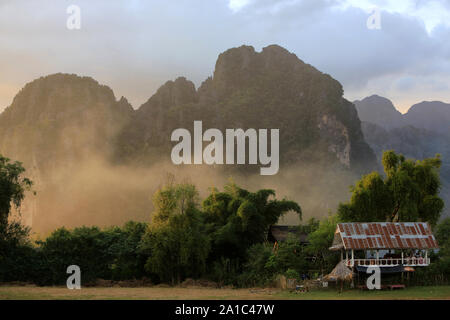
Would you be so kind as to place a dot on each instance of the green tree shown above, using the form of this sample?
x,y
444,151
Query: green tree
x,y
172,199
443,233
239,218
408,192
17,257
443,238
257,271
176,242
86,247
12,188
177,249
127,261
320,241
264,264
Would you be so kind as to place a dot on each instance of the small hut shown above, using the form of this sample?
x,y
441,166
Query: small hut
x,y
389,241
394,247
340,272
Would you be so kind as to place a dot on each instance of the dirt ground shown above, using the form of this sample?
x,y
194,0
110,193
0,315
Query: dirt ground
x,y
144,293
193,293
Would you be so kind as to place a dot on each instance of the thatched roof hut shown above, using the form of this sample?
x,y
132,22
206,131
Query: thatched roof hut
x,y
340,272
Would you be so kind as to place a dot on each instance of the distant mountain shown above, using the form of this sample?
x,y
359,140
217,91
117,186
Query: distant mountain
x,y
61,118
421,133
379,110
95,160
56,125
434,116
410,141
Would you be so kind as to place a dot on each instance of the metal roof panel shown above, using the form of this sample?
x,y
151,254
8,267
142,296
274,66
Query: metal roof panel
x,y
387,235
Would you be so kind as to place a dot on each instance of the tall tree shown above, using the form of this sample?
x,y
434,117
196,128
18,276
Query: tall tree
x,y
408,192
178,248
12,187
240,218
176,241
173,199
319,242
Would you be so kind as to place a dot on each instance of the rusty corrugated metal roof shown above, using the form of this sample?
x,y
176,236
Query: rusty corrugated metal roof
x,y
385,235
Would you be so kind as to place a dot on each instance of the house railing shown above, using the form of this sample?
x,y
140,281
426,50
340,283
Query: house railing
x,y
420,261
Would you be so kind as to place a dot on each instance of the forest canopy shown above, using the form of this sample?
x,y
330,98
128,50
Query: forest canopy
x,y
224,237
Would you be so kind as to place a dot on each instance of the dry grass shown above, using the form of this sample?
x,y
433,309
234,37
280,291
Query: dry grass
x,y
154,293
193,293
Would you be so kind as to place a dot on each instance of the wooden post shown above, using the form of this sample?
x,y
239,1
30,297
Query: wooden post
x,y
403,279
353,268
353,278
358,277
342,255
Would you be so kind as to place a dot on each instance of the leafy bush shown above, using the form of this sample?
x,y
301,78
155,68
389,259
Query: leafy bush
x,y
257,271
127,259
19,261
178,249
292,274
319,242
85,247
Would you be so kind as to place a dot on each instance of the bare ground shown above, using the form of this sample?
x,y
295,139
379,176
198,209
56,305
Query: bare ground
x,y
193,293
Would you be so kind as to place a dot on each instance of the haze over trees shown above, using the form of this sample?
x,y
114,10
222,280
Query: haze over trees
x,y
185,239
224,237
61,123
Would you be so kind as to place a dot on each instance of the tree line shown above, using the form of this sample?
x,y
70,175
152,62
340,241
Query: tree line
x,y
223,238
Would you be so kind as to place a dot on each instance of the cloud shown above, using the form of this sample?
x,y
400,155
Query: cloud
x,y
236,5
135,46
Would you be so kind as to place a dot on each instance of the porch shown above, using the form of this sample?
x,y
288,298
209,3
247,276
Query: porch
x,y
389,262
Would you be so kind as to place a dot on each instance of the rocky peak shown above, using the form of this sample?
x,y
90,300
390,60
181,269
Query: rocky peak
x,y
61,114
379,110
55,125
267,89
125,105
59,93
431,115
172,93
244,67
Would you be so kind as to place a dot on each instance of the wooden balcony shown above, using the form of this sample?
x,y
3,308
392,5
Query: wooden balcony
x,y
389,262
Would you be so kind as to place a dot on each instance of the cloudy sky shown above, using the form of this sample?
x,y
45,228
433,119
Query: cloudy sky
x,y
134,46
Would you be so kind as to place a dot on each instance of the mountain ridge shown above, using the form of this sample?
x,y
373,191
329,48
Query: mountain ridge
x,y
430,115
96,159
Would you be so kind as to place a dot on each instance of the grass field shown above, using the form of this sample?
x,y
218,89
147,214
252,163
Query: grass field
x,y
38,293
